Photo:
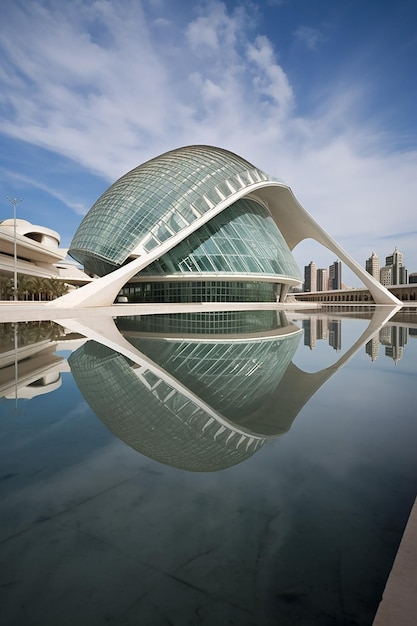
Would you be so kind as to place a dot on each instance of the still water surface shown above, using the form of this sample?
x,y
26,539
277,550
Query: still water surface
x,y
248,468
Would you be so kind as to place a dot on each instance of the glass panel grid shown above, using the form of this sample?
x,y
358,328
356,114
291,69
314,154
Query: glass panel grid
x,y
140,200
201,291
242,239
219,371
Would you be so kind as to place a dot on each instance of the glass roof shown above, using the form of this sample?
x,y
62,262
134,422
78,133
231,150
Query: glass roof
x,y
156,200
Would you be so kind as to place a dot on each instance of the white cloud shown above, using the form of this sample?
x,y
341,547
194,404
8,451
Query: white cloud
x,y
216,32
271,79
310,37
99,83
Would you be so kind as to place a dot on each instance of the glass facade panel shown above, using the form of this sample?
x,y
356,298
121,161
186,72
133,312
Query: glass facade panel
x,y
151,243
207,323
136,203
200,291
163,233
242,239
219,371
176,222
224,189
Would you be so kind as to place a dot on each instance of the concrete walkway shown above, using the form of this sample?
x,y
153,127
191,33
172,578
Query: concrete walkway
x,y
399,601
30,311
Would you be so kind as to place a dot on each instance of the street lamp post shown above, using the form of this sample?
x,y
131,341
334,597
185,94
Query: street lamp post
x,y
14,202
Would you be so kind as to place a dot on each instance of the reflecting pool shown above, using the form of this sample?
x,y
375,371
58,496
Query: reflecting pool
x,y
246,467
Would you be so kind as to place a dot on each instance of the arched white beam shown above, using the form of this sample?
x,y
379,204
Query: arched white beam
x,y
296,225
291,218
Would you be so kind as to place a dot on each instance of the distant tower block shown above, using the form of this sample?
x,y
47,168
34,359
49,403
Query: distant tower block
x,y
372,265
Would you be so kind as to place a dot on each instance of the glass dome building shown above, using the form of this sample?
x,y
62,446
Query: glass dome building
x,y
195,218
197,224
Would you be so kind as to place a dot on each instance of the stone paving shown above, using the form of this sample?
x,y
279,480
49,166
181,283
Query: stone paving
x,y
399,601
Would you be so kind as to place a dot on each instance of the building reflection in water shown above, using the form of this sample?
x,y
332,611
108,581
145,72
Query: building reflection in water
x,y
323,327
203,391
393,336
200,391
29,365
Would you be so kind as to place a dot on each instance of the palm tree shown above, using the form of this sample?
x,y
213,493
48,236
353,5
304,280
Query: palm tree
x,y
5,287
49,288
62,288
33,287
56,288
24,287
38,287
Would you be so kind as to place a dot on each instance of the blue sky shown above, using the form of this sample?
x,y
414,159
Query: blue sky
x,y
320,94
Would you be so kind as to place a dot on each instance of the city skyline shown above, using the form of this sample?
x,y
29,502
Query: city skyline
x,y
301,90
393,273
322,279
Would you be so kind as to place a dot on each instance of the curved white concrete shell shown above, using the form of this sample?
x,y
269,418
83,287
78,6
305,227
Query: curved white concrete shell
x,y
37,253
47,237
131,228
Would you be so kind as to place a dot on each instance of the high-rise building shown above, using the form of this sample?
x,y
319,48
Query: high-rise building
x,y
385,275
372,266
398,341
322,279
394,262
310,277
372,348
310,333
403,275
335,275
335,334
322,328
